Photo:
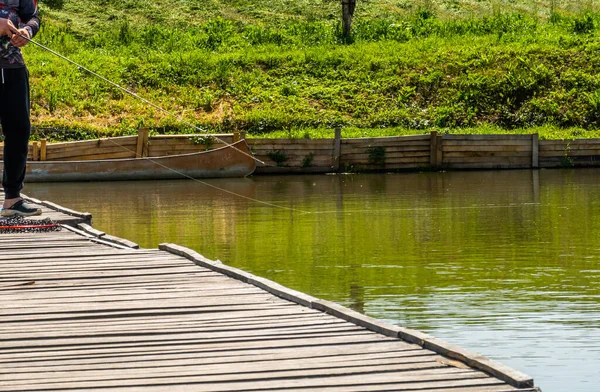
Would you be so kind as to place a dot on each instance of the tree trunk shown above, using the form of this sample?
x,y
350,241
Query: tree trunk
x,y
348,7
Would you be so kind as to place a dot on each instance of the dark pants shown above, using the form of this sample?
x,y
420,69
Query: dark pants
x,y
16,126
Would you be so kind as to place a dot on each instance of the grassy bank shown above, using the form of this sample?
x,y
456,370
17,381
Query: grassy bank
x,y
281,68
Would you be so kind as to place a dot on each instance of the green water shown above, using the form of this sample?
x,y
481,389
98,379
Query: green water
x,y
503,263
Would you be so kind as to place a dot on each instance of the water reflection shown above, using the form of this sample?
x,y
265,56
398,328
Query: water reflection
x,y
503,263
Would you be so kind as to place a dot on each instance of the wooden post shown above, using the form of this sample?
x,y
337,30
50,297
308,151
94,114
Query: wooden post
x,y
433,151
43,152
35,154
142,143
243,135
337,149
535,151
146,145
236,137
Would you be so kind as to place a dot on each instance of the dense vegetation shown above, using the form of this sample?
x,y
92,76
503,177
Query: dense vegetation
x,y
281,68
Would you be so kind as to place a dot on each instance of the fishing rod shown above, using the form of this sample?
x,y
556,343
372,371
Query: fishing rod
x,y
135,95
179,118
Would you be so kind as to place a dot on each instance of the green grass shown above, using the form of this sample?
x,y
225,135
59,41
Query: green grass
x,y
544,132
281,68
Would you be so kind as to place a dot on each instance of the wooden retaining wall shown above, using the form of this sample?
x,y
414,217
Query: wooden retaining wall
x,y
566,153
487,151
142,145
419,152
424,152
294,155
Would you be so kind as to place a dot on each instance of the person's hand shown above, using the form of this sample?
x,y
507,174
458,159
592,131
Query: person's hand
x,y
18,39
7,27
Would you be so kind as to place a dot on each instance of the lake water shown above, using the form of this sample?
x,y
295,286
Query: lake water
x,y
504,263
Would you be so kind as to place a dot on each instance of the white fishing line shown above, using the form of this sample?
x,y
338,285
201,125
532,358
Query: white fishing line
x,y
211,185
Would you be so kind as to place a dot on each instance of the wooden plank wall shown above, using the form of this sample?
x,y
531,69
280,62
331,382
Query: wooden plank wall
x,y
29,154
121,147
431,151
293,155
569,153
113,148
486,151
386,153
182,144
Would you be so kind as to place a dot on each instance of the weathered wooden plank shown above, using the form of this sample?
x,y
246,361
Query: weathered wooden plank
x,y
388,149
330,353
591,141
87,341
363,156
448,156
569,153
484,143
78,272
89,157
172,328
389,166
517,160
489,147
257,142
84,215
92,143
388,139
180,142
234,316
491,166
235,346
75,154
108,306
303,160
249,372
423,159
298,358
180,148
525,137
570,147
359,384
226,137
241,381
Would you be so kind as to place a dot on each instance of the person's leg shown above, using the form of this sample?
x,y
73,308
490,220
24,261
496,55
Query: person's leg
x,y
16,126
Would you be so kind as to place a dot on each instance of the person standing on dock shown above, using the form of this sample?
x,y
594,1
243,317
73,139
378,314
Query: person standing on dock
x,y
19,21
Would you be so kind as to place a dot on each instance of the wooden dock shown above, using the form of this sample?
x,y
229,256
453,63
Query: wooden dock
x,y
84,311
